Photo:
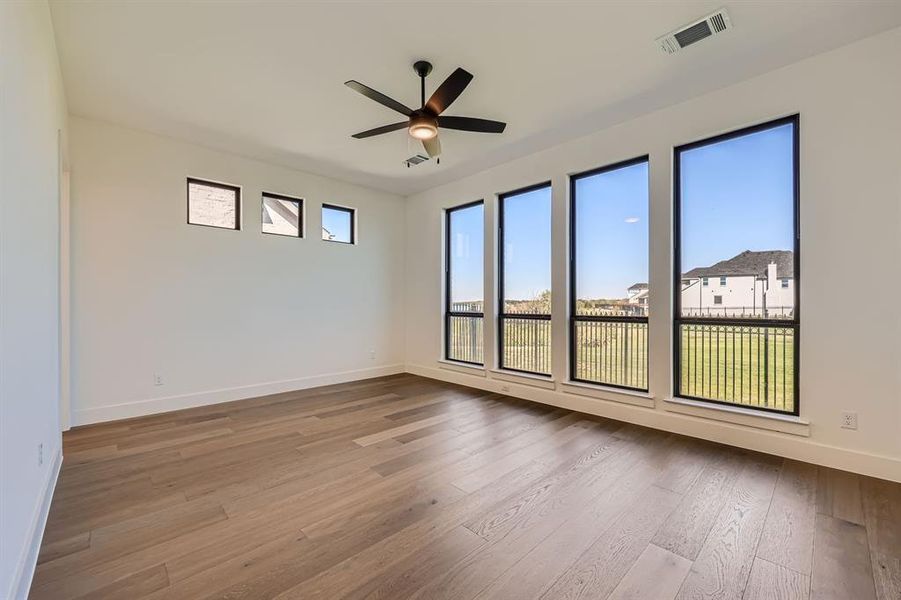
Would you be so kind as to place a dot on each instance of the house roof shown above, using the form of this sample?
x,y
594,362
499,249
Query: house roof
x,y
638,286
749,263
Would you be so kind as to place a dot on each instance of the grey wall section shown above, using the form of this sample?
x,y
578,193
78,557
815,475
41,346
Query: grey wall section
x,y
33,119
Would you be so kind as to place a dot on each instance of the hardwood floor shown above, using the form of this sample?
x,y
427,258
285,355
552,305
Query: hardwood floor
x,y
404,487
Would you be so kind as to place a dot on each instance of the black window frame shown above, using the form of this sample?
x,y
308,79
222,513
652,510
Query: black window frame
x,y
793,323
501,315
353,222
574,318
300,210
216,184
448,313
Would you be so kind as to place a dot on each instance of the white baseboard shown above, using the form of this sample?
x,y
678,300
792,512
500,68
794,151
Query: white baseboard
x,y
750,438
28,560
138,408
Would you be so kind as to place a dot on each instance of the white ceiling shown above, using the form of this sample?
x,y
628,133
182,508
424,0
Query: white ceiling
x,y
265,79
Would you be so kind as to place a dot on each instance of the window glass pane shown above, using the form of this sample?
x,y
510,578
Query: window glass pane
x,y
281,216
737,221
465,252
611,229
212,204
337,224
527,252
737,214
466,261
526,249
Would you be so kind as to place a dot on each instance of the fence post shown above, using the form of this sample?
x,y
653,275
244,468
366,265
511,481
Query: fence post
x,y
766,366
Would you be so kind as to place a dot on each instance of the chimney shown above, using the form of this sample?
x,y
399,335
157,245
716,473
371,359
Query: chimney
x,y
771,276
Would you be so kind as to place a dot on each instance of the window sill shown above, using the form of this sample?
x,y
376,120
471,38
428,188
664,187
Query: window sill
x,y
540,381
461,367
740,416
610,394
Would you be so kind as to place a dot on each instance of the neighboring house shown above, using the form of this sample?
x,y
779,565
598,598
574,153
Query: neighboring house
x,y
750,284
638,298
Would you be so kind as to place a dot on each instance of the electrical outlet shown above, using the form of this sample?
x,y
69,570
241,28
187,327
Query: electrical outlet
x,y
157,379
40,454
372,355
849,420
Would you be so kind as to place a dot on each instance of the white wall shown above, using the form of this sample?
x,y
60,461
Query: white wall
x,y
219,314
849,103
32,119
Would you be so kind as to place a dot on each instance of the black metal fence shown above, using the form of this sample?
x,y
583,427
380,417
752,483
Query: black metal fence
x,y
740,312
611,352
748,365
526,343
465,338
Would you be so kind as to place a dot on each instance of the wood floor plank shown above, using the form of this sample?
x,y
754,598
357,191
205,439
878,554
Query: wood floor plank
x,y
414,572
689,459
656,575
687,528
64,547
380,557
787,538
769,581
134,586
838,495
455,493
841,562
596,571
508,561
887,575
724,562
374,438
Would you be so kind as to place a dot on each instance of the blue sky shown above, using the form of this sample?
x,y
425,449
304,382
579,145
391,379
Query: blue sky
x,y
611,232
337,222
467,247
527,244
736,195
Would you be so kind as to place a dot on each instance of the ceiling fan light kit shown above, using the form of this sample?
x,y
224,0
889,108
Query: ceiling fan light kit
x,y
423,127
423,124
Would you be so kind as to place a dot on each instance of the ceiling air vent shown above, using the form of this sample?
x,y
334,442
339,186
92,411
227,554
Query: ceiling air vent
x,y
710,25
415,160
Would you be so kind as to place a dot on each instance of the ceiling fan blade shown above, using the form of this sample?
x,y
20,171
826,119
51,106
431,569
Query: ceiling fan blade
x,y
381,130
448,91
378,97
471,124
432,147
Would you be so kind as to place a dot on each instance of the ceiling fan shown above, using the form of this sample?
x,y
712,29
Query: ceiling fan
x,y
424,122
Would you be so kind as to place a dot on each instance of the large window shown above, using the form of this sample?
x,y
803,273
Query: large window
x,y
524,280
736,218
214,204
464,284
609,271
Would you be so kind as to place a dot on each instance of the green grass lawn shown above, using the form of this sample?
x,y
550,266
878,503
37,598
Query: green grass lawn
x,y
751,366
